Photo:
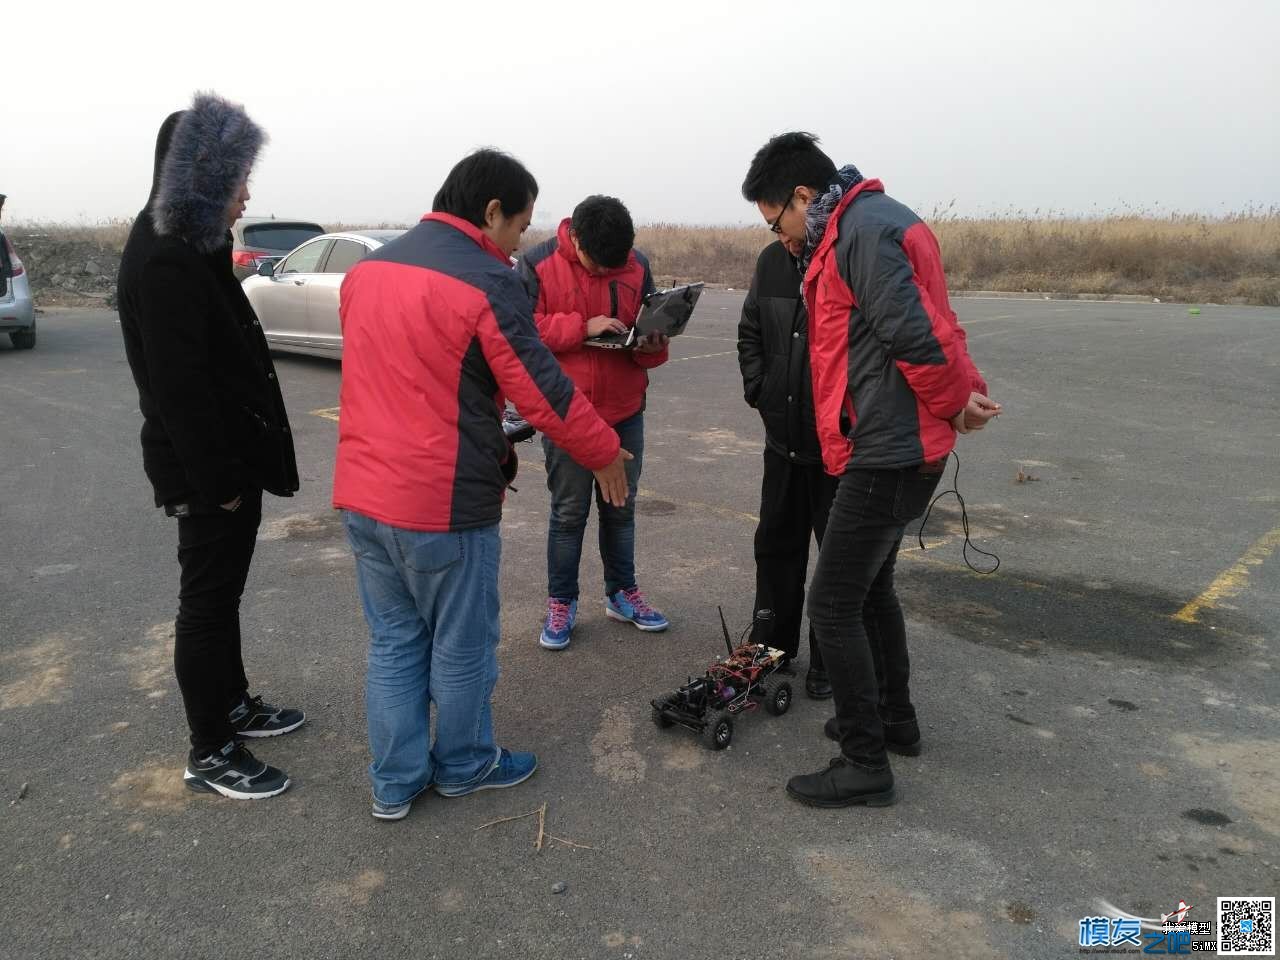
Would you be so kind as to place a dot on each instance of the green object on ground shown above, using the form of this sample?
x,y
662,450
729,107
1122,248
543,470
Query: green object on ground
x,y
1194,311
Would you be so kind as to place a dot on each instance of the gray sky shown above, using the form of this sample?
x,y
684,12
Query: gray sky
x,y
1076,107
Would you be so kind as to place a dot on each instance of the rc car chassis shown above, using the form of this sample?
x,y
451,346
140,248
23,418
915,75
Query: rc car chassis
x,y
751,675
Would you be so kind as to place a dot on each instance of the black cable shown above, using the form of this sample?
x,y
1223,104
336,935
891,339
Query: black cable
x,y
964,524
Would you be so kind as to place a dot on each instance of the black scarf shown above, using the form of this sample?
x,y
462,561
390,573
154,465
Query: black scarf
x,y
820,210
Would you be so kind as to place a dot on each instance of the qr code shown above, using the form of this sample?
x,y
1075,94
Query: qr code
x,y
1246,926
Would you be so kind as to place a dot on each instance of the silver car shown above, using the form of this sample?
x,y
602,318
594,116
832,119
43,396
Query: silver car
x,y
259,240
17,309
296,299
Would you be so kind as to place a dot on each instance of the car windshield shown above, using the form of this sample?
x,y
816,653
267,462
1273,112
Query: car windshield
x,y
279,236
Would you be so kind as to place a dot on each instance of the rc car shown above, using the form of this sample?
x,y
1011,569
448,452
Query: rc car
x,y
750,675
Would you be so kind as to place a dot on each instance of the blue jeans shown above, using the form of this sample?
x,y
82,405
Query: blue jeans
x,y
431,602
571,486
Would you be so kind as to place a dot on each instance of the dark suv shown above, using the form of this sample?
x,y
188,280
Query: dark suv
x,y
259,240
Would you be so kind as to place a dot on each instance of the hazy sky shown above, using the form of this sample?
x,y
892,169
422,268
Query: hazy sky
x,y
1074,107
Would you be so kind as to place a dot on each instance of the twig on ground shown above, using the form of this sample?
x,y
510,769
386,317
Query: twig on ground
x,y
543,837
568,843
523,816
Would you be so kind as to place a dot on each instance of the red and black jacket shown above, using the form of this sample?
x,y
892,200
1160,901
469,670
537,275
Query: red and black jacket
x,y
888,356
565,296
436,329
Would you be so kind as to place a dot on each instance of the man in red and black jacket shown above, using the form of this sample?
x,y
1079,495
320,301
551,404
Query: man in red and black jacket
x,y
892,385
436,330
585,281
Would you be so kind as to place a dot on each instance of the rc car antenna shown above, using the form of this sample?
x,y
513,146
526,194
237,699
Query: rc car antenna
x,y
728,644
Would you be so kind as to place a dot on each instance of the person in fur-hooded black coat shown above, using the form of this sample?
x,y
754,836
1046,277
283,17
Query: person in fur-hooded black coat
x,y
215,434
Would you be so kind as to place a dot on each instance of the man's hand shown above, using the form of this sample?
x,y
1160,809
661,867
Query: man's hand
x,y
231,507
599,325
652,343
613,480
976,413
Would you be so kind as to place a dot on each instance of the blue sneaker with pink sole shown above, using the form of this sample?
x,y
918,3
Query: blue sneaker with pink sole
x,y
561,616
630,606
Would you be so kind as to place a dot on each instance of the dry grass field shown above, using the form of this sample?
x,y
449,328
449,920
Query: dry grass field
x,y
1182,258
1187,258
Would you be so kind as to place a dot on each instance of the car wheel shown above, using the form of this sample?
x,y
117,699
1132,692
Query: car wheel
x,y
24,339
777,700
718,733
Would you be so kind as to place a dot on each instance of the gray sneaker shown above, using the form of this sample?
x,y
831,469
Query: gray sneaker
x,y
234,772
253,718
394,811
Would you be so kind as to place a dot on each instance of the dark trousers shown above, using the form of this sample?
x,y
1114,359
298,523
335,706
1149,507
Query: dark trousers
x,y
794,502
215,548
854,608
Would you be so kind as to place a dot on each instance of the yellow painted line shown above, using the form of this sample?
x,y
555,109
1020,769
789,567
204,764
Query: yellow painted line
x,y
704,356
1232,581
329,413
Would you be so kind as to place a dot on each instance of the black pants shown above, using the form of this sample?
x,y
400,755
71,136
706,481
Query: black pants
x,y
215,548
854,608
794,502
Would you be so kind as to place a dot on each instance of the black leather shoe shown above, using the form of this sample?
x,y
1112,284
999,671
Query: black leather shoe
x,y
902,737
817,685
842,784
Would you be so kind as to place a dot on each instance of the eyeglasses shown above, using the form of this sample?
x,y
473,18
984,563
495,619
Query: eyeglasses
x,y
776,224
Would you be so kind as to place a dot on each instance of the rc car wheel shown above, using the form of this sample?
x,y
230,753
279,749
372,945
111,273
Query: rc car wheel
x,y
718,733
660,719
777,699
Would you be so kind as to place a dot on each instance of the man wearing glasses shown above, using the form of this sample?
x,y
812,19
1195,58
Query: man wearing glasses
x,y
892,386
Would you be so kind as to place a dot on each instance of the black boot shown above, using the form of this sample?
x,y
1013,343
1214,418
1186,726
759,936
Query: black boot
x,y
901,737
817,684
842,784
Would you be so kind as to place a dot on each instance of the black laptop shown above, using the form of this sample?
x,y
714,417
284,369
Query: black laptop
x,y
665,311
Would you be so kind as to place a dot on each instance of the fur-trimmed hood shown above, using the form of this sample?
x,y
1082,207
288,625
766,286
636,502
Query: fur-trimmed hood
x,y
202,156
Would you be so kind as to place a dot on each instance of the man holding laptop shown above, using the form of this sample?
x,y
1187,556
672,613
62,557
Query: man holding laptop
x,y
588,285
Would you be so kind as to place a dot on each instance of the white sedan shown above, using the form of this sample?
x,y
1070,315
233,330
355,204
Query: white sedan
x,y
296,299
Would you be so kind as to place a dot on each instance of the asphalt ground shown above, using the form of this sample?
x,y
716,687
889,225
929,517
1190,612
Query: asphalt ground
x,y
1081,742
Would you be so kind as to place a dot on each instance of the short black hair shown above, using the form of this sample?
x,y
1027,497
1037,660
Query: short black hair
x,y
604,229
787,161
483,176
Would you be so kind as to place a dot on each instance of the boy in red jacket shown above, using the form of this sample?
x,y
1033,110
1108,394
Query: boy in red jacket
x,y
587,280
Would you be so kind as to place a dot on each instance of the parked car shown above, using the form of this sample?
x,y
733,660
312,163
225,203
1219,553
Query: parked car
x,y
296,299
17,309
259,240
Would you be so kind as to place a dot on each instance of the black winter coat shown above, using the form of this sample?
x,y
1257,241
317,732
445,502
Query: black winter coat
x,y
773,353
214,421
6,265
